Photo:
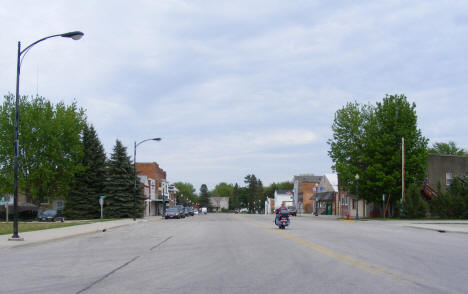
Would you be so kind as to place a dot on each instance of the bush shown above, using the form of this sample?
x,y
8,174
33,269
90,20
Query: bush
x,y
454,202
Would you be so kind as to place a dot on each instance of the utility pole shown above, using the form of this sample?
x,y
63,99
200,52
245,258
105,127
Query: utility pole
x,y
403,169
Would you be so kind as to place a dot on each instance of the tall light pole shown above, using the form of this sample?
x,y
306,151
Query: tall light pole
x,y
73,35
357,195
315,194
134,172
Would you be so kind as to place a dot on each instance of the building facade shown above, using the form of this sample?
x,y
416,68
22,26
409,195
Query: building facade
x,y
155,187
304,189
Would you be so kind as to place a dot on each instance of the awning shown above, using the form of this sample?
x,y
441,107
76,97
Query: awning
x,y
22,206
324,196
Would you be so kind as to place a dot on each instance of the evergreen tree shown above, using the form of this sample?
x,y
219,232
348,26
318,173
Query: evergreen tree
x,y
235,199
255,196
82,201
454,202
414,206
204,201
119,186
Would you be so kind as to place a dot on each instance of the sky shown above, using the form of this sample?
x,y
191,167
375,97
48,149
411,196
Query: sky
x,y
239,87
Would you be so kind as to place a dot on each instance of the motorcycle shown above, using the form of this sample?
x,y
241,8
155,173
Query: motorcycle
x,y
282,219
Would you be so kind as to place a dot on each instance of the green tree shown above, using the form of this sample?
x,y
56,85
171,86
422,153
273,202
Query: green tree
x,y
49,150
255,196
367,141
82,201
347,144
235,199
203,199
449,148
120,185
186,193
223,190
392,119
414,206
244,197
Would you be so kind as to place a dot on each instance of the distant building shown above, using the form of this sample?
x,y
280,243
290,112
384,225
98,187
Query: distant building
x,y
155,186
327,195
303,191
444,168
219,203
283,196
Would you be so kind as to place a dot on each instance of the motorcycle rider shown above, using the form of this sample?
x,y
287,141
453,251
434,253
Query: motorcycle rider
x,y
282,207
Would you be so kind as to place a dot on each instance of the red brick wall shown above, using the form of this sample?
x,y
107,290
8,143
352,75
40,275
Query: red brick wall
x,y
151,170
307,192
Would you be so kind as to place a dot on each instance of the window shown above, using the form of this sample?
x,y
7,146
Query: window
x,y
448,178
354,203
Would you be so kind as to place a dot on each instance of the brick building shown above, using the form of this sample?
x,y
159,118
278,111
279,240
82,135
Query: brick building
x,y
154,186
304,190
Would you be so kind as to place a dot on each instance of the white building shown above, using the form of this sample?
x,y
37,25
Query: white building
x,y
286,196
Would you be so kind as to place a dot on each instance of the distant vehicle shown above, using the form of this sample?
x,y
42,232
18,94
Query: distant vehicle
x,y
181,210
172,212
243,210
195,211
292,210
204,210
191,211
51,215
187,211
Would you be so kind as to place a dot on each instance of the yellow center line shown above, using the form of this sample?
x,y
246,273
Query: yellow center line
x,y
338,256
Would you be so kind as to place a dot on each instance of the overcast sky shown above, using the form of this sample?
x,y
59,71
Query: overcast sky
x,y
240,87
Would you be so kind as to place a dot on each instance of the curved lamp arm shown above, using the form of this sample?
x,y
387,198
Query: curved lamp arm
x,y
152,139
76,35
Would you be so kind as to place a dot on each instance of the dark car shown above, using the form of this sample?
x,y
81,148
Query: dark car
x,y
50,215
292,210
181,210
187,211
172,212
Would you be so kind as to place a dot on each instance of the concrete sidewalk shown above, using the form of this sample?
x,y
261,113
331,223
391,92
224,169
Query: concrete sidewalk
x,y
65,232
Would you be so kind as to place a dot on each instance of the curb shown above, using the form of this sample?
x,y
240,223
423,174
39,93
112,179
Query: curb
x,y
67,234
440,230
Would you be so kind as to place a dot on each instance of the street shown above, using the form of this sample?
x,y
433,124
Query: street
x,y
227,253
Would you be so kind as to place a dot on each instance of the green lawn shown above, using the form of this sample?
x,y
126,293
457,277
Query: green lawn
x,y
7,228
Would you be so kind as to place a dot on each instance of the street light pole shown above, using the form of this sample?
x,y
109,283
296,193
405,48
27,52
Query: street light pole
x,y
357,195
315,194
134,172
76,35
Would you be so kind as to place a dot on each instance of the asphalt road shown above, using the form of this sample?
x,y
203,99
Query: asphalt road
x,y
243,254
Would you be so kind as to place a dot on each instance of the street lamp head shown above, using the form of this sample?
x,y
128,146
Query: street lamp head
x,y
76,35
356,177
156,139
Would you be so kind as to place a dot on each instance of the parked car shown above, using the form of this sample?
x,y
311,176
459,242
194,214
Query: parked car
x,y
50,215
204,210
195,211
292,210
181,210
243,210
187,211
172,212
191,211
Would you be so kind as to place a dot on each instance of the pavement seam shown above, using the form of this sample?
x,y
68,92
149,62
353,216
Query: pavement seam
x,y
107,275
160,243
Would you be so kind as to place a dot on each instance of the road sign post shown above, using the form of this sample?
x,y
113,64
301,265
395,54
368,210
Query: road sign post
x,y
101,202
